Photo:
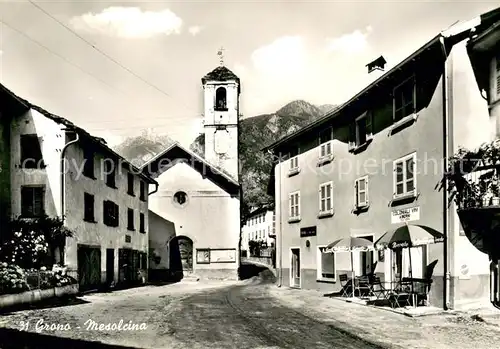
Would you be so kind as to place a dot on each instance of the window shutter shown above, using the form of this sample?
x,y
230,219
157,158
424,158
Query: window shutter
x,y
367,190
38,201
369,124
355,193
352,134
498,75
105,212
298,204
117,212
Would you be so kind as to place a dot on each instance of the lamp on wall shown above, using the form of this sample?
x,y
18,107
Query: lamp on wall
x,y
308,244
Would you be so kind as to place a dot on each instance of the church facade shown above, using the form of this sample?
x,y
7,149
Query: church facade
x,y
196,226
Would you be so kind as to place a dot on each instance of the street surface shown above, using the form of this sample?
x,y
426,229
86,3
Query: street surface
x,y
182,315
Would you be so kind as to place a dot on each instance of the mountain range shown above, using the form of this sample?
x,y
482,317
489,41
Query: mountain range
x,y
256,132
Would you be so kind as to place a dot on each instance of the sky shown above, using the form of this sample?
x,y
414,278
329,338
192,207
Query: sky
x,y
117,68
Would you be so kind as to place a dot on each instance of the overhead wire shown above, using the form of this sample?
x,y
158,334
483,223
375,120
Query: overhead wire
x,y
101,81
104,53
98,79
61,57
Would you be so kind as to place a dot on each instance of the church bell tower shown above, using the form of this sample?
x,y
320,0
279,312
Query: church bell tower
x,y
221,118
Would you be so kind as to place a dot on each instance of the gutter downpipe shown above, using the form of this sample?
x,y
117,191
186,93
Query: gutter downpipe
x,y
63,179
280,262
446,136
156,188
63,172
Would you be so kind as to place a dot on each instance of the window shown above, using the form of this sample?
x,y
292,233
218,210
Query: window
x,y
221,99
294,162
142,227
180,198
31,151
326,265
325,198
404,176
143,191
294,205
404,99
88,165
361,192
130,184
325,142
88,204
130,219
364,130
32,201
110,213
361,131
110,173
325,149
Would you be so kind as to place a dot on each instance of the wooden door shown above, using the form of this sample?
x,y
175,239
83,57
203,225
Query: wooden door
x,y
89,267
110,265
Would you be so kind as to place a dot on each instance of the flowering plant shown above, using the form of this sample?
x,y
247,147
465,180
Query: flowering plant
x,y
473,176
44,278
26,248
12,279
32,243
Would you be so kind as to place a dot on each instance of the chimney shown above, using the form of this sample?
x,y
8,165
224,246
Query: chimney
x,y
376,68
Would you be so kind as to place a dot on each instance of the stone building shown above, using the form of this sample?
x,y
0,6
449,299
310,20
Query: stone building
x,y
52,167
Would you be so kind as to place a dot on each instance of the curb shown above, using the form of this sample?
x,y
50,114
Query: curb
x,y
35,296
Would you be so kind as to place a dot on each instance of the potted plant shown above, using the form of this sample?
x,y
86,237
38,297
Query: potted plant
x,y
483,191
495,191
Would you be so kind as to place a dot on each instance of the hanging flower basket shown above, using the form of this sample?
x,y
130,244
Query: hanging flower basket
x,y
473,183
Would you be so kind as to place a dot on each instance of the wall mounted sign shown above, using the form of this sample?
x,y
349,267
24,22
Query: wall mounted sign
x,y
203,256
405,215
307,231
464,272
128,238
223,255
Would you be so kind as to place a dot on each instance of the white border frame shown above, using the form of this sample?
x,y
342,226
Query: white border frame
x,y
395,195
300,266
318,264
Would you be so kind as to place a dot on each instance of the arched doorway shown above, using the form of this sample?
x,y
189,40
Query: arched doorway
x,y
181,255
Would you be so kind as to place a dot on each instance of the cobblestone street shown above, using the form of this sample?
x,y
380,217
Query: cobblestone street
x,y
188,315
251,314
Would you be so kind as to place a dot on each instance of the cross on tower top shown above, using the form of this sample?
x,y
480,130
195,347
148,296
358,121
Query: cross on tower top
x,y
220,53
